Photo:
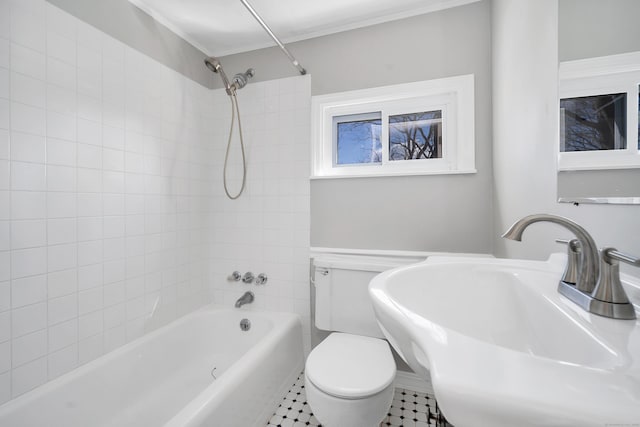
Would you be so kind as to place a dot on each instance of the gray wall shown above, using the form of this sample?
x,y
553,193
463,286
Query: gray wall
x,y
431,213
588,28
125,22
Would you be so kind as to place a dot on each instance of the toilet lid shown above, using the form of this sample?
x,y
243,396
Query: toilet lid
x,y
351,366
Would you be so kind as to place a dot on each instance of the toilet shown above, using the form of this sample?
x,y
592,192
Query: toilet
x,y
349,377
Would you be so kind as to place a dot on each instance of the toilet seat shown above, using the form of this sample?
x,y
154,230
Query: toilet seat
x,y
351,366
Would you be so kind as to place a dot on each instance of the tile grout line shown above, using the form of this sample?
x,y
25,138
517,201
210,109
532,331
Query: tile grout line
x,y
10,223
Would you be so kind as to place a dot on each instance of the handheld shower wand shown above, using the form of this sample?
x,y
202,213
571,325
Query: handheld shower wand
x,y
214,65
238,82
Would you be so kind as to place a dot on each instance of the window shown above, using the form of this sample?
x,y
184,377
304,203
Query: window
x,y
416,128
599,112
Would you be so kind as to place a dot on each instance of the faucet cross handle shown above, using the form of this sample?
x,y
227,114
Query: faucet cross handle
x,y
261,279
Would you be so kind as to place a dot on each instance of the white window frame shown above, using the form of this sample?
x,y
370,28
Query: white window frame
x,y
454,96
601,76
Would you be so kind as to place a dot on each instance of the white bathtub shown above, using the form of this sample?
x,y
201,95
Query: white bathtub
x,y
165,378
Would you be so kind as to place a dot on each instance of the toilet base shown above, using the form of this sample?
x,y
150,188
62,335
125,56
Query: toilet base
x,y
332,411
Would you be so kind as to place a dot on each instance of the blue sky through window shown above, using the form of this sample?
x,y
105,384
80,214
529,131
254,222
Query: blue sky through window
x,y
359,142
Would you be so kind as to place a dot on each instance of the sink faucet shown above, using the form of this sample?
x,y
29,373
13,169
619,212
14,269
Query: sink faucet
x,y
596,291
589,269
247,298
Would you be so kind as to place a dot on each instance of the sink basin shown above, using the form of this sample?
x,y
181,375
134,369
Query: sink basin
x,y
503,348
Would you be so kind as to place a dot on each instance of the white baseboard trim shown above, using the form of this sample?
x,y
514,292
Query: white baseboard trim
x,y
411,381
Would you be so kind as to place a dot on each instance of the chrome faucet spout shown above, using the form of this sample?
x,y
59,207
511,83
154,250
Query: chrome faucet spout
x,y
589,270
246,298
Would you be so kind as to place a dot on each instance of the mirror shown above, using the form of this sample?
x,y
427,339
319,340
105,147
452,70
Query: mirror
x,y
592,29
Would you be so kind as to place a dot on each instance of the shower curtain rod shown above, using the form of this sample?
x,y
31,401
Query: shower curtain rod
x,y
293,60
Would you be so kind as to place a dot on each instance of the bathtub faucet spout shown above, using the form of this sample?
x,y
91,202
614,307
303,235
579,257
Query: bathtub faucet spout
x,y
247,298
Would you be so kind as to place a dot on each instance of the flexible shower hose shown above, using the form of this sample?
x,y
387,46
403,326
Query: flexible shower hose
x,y
235,110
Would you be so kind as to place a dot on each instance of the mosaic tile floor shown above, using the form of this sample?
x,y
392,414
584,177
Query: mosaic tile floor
x,y
408,409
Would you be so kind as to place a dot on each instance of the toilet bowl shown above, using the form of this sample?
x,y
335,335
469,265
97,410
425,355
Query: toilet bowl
x,y
349,380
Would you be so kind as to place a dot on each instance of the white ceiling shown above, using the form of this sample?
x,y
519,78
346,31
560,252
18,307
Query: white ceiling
x,y
223,27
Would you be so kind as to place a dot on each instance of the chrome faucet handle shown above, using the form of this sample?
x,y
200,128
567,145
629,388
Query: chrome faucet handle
x,y
235,277
261,279
248,277
574,253
609,289
564,241
613,253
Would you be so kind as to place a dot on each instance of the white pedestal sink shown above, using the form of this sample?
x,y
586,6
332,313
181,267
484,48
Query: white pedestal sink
x,y
503,348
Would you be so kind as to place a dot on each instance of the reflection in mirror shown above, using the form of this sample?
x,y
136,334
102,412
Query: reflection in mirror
x,y
599,138
590,123
613,186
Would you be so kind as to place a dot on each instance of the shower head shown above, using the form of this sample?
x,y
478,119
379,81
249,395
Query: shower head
x,y
239,80
214,65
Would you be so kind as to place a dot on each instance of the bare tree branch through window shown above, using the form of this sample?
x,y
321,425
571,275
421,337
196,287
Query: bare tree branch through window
x,y
415,136
594,122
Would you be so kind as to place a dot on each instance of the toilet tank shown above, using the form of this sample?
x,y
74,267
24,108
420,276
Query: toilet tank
x,y
341,284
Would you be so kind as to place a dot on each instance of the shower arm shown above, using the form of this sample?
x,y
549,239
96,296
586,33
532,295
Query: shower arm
x,y
264,25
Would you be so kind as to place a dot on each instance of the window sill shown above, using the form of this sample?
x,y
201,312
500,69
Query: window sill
x,y
581,161
391,174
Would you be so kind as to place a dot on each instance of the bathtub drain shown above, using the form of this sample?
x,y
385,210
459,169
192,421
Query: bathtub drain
x,y
245,324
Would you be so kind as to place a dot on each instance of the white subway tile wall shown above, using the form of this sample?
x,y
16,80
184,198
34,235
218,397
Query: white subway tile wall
x,y
266,230
113,219
107,163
